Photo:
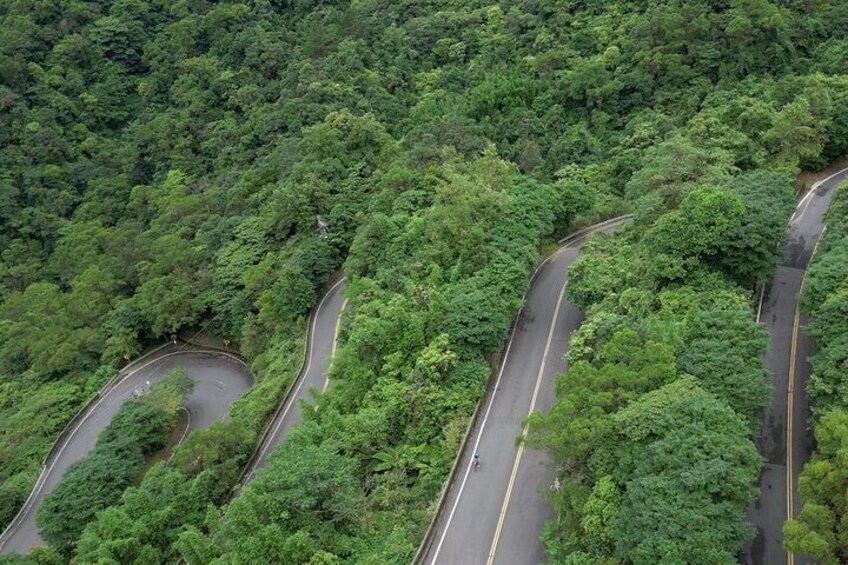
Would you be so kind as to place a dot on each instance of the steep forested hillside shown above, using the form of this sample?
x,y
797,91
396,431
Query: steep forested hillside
x,y
654,419
164,164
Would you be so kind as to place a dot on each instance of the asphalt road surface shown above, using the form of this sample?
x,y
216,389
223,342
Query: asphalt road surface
x,y
785,441
323,328
495,514
219,380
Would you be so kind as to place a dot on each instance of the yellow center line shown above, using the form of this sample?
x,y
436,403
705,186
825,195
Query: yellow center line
x,y
494,547
790,401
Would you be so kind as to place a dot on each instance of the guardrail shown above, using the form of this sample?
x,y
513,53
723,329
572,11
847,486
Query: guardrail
x,y
427,540
58,444
157,353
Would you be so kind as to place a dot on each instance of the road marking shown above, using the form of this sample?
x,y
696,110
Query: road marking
x,y
804,201
493,549
489,407
187,428
335,343
790,399
301,376
45,473
790,402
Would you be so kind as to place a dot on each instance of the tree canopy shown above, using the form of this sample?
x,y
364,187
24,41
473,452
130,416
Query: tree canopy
x,y
165,166
819,530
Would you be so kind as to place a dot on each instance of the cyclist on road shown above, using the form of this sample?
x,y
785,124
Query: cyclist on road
x,y
476,461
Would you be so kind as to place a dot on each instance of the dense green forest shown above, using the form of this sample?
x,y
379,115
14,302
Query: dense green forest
x,y
654,419
140,428
164,164
820,528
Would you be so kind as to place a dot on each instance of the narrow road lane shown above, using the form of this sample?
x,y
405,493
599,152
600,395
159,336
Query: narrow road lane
x,y
495,514
784,441
219,380
323,329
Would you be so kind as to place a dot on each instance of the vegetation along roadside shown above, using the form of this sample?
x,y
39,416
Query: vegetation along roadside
x,y
819,529
165,166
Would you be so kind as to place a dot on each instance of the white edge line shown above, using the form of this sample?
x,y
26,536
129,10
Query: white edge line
x,y
188,425
760,307
335,346
302,377
489,408
805,202
39,484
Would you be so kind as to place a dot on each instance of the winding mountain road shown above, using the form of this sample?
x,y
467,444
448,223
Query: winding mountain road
x,y
785,442
320,348
219,379
495,514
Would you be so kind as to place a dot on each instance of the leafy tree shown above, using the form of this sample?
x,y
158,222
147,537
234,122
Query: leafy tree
x,y
290,298
819,529
63,515
805,121
825,277
751,252
47,335
139,428
475,318
169,302
675,167
698,461
706,218
604,270
578,424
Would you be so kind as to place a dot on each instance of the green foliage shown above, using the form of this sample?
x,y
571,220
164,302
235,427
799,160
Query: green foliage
x,y
826,276
475,318
588,394
825,297
686,460
724,350
652,426
164,167
316,497
139,428
680,239
38,556
819,530
749,254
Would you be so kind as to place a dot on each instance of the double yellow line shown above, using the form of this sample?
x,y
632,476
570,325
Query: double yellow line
x,y
517,463
790,404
